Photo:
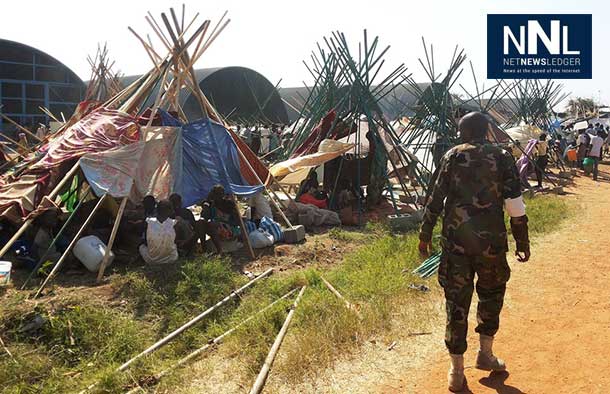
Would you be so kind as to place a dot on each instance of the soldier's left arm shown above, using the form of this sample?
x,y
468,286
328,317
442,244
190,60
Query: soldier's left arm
x,y
515,206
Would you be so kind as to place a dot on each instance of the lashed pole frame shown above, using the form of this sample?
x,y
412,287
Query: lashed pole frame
x,y
206,107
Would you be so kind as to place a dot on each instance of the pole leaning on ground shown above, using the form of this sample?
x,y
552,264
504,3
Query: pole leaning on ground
x,y
213,342
259,384
192,322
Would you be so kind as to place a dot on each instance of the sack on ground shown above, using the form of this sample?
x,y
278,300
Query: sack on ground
x,y
260,239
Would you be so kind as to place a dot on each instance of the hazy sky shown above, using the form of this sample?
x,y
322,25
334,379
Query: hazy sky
x,y
273,37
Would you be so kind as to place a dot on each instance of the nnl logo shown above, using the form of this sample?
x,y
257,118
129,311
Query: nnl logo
x,y
535,33
539,46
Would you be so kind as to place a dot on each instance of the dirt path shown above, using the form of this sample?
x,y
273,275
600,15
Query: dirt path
x,y
555,326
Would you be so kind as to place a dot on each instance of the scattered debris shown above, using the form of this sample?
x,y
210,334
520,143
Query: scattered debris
x,y
422,288
36,323
415,334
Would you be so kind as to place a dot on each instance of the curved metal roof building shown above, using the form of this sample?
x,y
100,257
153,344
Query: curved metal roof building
x,y
29,79
241,95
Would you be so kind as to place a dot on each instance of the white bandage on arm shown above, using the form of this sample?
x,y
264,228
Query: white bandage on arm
x,y
515,207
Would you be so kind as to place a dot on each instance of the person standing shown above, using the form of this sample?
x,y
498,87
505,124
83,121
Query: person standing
x,y
255,143
595,152
41,132
542,159
475,180
583,145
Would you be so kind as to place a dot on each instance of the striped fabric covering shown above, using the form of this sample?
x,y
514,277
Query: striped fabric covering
x,y
273,228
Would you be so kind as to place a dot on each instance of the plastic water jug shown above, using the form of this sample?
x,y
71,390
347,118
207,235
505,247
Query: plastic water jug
x,y
90,251
5,272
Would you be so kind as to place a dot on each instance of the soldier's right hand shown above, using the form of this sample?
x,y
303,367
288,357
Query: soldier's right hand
x,y
425,248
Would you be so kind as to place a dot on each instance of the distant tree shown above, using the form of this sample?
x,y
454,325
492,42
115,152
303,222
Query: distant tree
x,y
582,107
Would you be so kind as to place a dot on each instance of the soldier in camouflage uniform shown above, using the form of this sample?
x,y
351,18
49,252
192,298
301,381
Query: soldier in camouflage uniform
x,y
474,182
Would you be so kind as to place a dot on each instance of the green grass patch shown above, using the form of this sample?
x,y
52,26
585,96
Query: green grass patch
x,y
83,341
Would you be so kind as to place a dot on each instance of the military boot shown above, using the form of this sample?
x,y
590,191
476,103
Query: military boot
x,y
456,379
486,360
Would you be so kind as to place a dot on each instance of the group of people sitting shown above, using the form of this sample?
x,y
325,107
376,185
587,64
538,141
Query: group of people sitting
x,y
157,232
167,230
344,199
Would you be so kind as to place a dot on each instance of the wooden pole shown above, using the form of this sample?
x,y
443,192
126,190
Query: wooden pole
x,y
262,375
27,148
213,342
115,229
69,248
244,232
42,258
13,357
19,126
261,182
28,222
348,304
192,322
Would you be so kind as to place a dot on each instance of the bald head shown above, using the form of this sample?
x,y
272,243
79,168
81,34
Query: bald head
x,y
473,126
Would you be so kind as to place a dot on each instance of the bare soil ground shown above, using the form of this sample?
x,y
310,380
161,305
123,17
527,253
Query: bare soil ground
x,y
555,326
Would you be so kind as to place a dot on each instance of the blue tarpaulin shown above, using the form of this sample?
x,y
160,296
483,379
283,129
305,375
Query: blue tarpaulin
x,y
209,157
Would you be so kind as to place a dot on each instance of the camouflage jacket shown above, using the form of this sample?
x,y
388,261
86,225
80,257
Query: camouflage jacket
x,y
472,181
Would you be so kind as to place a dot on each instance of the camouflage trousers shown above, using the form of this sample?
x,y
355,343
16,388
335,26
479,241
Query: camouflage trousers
x,y
456,275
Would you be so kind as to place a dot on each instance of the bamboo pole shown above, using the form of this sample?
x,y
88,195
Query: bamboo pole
x,y
115,229
192,322
19,126
11,354
27,148
244,233
69,248
262,376
261,182
213,342
348,304
28,222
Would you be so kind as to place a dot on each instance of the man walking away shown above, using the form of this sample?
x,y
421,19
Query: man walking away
x,y
476,179
595,153
542,159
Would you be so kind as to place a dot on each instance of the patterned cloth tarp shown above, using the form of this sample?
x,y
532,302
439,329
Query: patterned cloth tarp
x,y
18,198
152,166
210,157
189,160
112,171
160,168
101,130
